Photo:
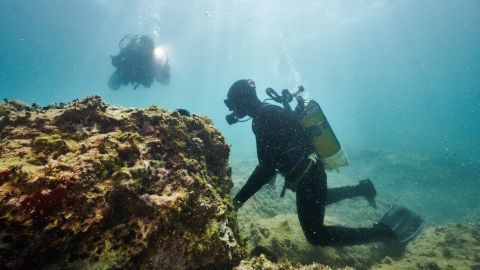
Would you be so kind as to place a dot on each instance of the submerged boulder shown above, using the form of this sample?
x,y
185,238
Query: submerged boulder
x,y
87,185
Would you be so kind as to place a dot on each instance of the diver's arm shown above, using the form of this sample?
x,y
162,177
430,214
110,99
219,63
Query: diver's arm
x,y
259,177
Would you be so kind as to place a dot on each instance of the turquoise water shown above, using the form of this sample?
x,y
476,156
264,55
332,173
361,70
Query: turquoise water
x,y
397,75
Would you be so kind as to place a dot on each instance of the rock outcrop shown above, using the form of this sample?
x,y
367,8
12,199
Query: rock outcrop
x,y
87,185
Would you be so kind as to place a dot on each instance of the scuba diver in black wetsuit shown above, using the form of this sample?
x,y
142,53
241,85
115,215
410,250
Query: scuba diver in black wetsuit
x,y
139,63
282,146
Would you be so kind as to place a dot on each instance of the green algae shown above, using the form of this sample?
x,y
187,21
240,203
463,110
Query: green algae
x,y
18,162
50,144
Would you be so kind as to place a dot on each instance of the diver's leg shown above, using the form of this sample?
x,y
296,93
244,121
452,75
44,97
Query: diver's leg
x,y
311,193
311,201
364,188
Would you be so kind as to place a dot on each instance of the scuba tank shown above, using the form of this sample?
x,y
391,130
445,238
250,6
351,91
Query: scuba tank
x,y
315,125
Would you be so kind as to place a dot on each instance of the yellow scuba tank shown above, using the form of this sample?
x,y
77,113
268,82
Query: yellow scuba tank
x,y
321,135
316,127
320,132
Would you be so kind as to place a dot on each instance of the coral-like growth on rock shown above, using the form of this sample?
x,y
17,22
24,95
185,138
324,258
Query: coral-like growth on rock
x,y
261,262
91,185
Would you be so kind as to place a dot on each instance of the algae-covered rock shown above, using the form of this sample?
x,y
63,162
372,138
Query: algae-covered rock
x,y
88,185
262,263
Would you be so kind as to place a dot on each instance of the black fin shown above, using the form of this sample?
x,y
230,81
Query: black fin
x,y
404,223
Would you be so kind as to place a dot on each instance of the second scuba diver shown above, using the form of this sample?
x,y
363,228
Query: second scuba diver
x,y
139,63
283,147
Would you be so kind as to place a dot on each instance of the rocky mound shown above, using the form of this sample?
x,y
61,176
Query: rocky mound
x,y
88,185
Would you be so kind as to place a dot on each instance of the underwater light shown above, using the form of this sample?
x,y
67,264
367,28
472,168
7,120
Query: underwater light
x,y
160,55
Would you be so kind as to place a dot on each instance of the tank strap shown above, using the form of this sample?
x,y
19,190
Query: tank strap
x,y
312,159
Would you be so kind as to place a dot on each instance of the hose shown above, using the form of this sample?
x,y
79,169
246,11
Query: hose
x,y
129,37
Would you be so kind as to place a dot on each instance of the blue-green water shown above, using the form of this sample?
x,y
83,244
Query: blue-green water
x,y
397,75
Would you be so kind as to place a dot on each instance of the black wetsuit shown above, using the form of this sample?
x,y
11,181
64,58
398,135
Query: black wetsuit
x,y
134,65
283,147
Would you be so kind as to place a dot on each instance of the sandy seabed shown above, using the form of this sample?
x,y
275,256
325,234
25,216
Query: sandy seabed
x,y
447,242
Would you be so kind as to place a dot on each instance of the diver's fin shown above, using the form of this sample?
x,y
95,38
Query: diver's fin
x,y
404,223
